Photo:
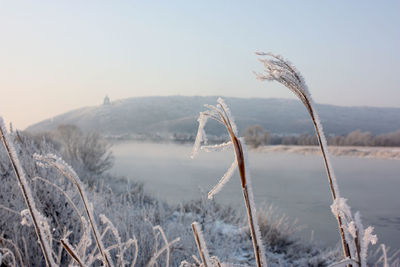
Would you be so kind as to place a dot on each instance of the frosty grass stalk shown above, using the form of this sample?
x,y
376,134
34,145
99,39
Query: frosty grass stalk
x,y
67,171
221,113
39,221
282,71
201,245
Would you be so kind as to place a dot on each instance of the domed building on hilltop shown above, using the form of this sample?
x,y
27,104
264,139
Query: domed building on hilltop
x,y
106,101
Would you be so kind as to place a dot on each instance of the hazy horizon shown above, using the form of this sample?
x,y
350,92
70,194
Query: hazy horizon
x,y
60,56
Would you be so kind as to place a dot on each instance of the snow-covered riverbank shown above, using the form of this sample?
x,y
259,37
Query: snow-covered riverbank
x,y
352,151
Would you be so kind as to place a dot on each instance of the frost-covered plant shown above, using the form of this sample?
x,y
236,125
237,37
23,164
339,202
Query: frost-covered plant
x,y
388,258
201,245
355,239
38,220
67,171
166,247
221,114
55,228
132,212
129,224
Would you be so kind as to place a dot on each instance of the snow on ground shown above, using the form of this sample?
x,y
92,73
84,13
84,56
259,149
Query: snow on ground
x,y
351,151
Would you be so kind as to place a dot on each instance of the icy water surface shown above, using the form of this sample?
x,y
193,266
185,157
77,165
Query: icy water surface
x,y
296,184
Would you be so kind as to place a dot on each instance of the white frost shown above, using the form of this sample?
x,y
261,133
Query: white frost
x,y
40,226
218,147
201,134
228,114
366,237
227,176
203,245
340,208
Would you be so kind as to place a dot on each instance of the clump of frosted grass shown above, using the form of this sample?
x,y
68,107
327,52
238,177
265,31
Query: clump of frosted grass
x,y
38,220
359,237
355,239
56,162
159,251
222,114
80,253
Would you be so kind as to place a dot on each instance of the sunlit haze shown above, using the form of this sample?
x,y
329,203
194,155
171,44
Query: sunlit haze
x,y
61,55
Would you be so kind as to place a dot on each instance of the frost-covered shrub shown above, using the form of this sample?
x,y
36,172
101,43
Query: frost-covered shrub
x,y
87,152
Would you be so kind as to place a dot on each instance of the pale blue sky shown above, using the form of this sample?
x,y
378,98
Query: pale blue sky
x,y
60,55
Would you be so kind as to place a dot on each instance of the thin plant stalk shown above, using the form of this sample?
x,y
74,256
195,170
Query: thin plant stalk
x,y
67,171
201,245
278,69
71,252
16,249
29,201
242,172
222,115
385,261
328,167
100,245
166,248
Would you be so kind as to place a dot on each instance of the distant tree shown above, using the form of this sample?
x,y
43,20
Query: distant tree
x,y
389,139
89,153
338,140
358,138
95,154
70,139
289,140
307,140
255,136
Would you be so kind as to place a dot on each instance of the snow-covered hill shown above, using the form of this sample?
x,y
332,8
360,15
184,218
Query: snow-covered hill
x,y
178,114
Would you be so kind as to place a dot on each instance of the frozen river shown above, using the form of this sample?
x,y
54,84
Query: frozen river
x,y
296,184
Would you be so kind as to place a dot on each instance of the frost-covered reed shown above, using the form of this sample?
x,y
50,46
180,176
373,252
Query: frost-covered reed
x,y
201,245
51,160
83,253
38,220
355,239
222,114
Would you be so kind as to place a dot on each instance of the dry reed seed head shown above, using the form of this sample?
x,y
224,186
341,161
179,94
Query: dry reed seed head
x,y
281,70
221,113
227,113
294,81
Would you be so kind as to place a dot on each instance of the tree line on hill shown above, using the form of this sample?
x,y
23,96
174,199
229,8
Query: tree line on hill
x,y
256,136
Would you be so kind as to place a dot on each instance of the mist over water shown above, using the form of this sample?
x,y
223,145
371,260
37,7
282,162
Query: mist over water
x,y
296,184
